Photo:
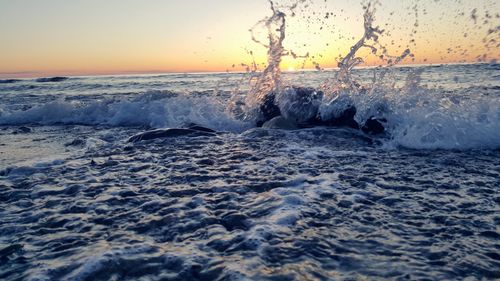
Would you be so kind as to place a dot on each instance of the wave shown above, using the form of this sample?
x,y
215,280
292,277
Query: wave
x,y
474,124
9,81
38,80
51,79
413,117
427,119
153,109
417,118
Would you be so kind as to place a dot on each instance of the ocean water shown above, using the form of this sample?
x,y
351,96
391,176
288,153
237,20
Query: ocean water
x,y
80,202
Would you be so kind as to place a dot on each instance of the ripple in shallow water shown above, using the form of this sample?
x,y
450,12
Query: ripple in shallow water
x,y
311,204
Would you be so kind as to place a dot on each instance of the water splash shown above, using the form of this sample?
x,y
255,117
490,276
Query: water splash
x,y
269,80
343,92
351,60
413,115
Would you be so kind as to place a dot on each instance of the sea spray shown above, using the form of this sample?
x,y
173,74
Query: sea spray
x,y
268,84
269,81
413,115
340,90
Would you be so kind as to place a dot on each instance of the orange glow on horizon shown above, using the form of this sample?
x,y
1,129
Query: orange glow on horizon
x,y
75,38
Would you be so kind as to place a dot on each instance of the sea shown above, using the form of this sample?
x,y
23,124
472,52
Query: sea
x,y
79,201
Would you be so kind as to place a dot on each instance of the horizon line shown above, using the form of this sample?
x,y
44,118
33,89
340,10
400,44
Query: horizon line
x,y
5,75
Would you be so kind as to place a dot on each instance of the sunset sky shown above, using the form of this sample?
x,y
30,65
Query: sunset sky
x,y
86,37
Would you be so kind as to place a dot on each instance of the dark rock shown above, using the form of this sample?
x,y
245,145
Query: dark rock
x,y
306,102
168,133
374,126
346,119
299,104
304,112
197,127
51,79
269,109
280,122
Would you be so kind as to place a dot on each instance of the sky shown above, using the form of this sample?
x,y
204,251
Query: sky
x,y
89,37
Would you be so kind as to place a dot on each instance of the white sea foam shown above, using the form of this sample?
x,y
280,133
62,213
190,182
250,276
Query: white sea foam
x,y
426,119
141,111
416,118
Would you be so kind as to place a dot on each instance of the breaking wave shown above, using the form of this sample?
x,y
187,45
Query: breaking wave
x,y
149,110
422,119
